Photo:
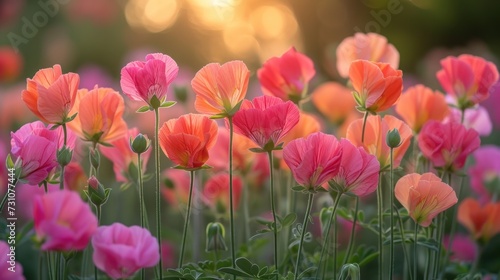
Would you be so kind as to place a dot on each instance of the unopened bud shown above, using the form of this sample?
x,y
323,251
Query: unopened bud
x,y
140,143
215,234
93,182
95,158
96,193
64,156
393,139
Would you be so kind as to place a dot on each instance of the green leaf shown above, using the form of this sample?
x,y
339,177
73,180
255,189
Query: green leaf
x,y
218,116
144,109
168,104
307,270
257,150
298,188
289,220
71,118
235,272
263,271
368,258
245,265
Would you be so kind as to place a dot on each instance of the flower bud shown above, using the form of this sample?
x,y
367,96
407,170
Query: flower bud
x,y
352,271
95,158
140,143
215,234
324,217
64,156
393,139
96,193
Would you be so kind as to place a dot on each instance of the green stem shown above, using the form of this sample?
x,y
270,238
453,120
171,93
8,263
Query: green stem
x,y
141,201
365,117
391,187
329,225
335,244
403,244
380,230
49,265
98,214
304,231
462,116
453,228
61,177
186,222
40,265
157,189
415,252
231,208
45,186
430,261
275,225
246,213
441,226
353,231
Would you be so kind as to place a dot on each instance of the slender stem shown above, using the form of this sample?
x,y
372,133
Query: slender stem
x,y
329,225
391,187
157,189
353,231
246,213
380,230
49,265
415,252
231,208
141,201
275,225
441,226
186,222
98,214
61,177
365,117
453,228
335,242
40,265
430,261
304,231
463,116
403,239
45,186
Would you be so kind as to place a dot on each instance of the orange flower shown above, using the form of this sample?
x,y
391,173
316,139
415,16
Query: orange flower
x,y
375,133
50,95
424,196
220,88
308,124
420,104
334,101
377,86
483,221
186,140
99,118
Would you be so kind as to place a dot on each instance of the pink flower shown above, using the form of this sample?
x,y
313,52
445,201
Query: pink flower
x,y
313,160
447,145
63,222
371,47
485,173
358,171
468,78
288,76
121,251
122,156
476,117
463,249
216,192
143,80
74,177
175,188
7,258
266,120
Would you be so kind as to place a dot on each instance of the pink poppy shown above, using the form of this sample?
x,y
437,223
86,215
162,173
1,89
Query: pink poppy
x,y
463,249
485,172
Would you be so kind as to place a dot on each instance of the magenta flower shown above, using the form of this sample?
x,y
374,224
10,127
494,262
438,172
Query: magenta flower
x,y
121,251
358,172
266,120
313,160
476,118
143,80
485,172
468,78
463,248
63,222
6,256
288,76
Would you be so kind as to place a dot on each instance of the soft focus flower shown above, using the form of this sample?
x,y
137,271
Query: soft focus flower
x,y
420,104
358,171
377,86
370,46
143,80
447,145
266,120
216,192
7,270
476,117
220,88
36,147
99,118
63,222
287,77
50,95
375,134
13,110
121,251
168,254
485,173
424,196
122,156
491,105
242,156
74,177
482,220
463,249
334,101
175,188
468,78
186,140
307,125
313,160
11,64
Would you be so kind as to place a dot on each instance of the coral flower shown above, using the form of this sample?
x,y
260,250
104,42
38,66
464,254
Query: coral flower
x,y
424,196
313,160
375,134
50,95
334,101
186,140
358,171
121,251
219,88
482,220
242,156
377,86
307,125
11,64
74,177
176,187
266,120
485,173
447,145
420,104
287,77
216,192
8,271
99,118
149,80
122,156
371,47
63,222
468,78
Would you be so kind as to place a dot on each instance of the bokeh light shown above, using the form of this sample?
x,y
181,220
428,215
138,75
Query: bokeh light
x,y
152,15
